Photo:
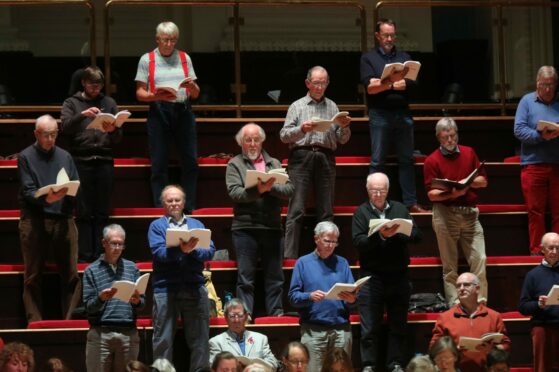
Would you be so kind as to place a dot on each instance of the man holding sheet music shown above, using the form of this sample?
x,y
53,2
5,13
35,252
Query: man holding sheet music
x,y
256,227
384,256
539,154
324,322
46,223
178,283
544,310
390,121
455,215
312,165
112,340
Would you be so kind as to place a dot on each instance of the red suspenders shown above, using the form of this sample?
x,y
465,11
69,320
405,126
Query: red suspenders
x,y
182,56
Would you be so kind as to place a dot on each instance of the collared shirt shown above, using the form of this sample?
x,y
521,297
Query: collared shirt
x,y
381,214
259,163
445,152
547,264
180,224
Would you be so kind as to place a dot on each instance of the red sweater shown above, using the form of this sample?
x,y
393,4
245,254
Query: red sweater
x,y
453,167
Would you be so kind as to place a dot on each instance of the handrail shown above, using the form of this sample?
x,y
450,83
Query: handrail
x,y
88,3
235,4
497,4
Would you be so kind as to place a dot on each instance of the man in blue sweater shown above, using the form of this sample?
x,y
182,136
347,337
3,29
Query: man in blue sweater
x,y
178,283
534,302
324,323
112,340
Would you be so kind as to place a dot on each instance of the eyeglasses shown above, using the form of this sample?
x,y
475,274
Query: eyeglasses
x,y
547,85
388,36
51,134
166,40
117,246
444,358
296,363
448,137
377,191
465,285
236,316
329,242
255,141
94,85
318,84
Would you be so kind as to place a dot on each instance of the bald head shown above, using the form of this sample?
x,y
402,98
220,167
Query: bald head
x,y
377,189
550,247
250,138
46,130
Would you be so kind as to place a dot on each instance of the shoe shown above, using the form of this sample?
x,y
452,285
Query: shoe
x,y
397,368
416,208
368,369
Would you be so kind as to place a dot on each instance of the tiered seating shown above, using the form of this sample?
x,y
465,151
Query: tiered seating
x,y
503,217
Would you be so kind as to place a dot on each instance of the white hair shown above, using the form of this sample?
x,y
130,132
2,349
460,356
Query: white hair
x,y
167,28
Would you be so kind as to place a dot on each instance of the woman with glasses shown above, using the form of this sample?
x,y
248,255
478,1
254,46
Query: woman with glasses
x,y
295,357
445,355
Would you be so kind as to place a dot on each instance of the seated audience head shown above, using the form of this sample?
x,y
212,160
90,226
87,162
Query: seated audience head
x,y
317,81
162,365
166,36
224,362
377,189
256,367
337,360
46,131
550,247
173,198
546,83
16,357
326,235
113,242
236,315
421,363
446,131
250,137
55,365
136,366
498,361
467,286
295,357
92,82
445,354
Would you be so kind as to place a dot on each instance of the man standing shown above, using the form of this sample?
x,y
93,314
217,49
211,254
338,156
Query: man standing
x,y
455,215
312,165
539,155
384,256
238,340
170,116
257,220
389,118
469,318
324,323
46,222
533,301
178,283
112,340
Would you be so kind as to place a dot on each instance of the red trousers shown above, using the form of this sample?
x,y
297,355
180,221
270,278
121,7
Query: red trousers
x,y
545,344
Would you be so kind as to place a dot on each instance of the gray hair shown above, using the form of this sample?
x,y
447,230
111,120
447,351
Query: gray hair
x,y
375,175
113,227
178,187
442,344
43,119
326,227
445,124
163,365
167,28
475,279
240,134
317,68
546,72
234,302
420,363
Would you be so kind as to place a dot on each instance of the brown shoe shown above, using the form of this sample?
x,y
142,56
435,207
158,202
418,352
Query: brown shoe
x,y
416,208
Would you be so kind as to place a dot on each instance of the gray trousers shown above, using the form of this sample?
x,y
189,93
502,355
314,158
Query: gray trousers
x,y
110,349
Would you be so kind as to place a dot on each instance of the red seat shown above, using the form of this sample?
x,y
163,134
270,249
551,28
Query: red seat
x,y
277,320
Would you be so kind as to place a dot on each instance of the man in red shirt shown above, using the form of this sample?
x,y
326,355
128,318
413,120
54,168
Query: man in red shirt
x,y
455,215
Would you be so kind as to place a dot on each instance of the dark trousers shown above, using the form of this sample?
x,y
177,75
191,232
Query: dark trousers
x,y
173,122
545,344
250,245
393,292
93,207
38,236
308,170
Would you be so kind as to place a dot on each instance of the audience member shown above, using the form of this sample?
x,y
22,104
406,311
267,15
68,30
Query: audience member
x,y
295,357
55,365
455,215
324,323
446,355
421,363
162,365
533,301
469,318
384,256
178,283
92,152
498,361
238,340
337,360
256,226
224,362
136,366
16,356
390,121
539,154
112,340
46,222
170,116
312,165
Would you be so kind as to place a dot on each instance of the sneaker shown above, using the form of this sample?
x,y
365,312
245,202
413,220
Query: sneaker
x,y
397,368
368,369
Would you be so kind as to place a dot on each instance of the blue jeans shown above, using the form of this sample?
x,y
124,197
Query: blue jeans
x,y
386,127
173,122
393,292
250,245
192,306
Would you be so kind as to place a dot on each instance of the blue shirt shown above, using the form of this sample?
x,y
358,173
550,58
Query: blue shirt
x,y
312,273
535,149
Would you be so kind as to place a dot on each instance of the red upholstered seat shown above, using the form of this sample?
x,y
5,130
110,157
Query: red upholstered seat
x,y
213,211
222,264
7,268
209,161
501,208
289,263
514,315
9,213
361,160
218,321
277,320
50,324
521,369
130,162
512,159
8,163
